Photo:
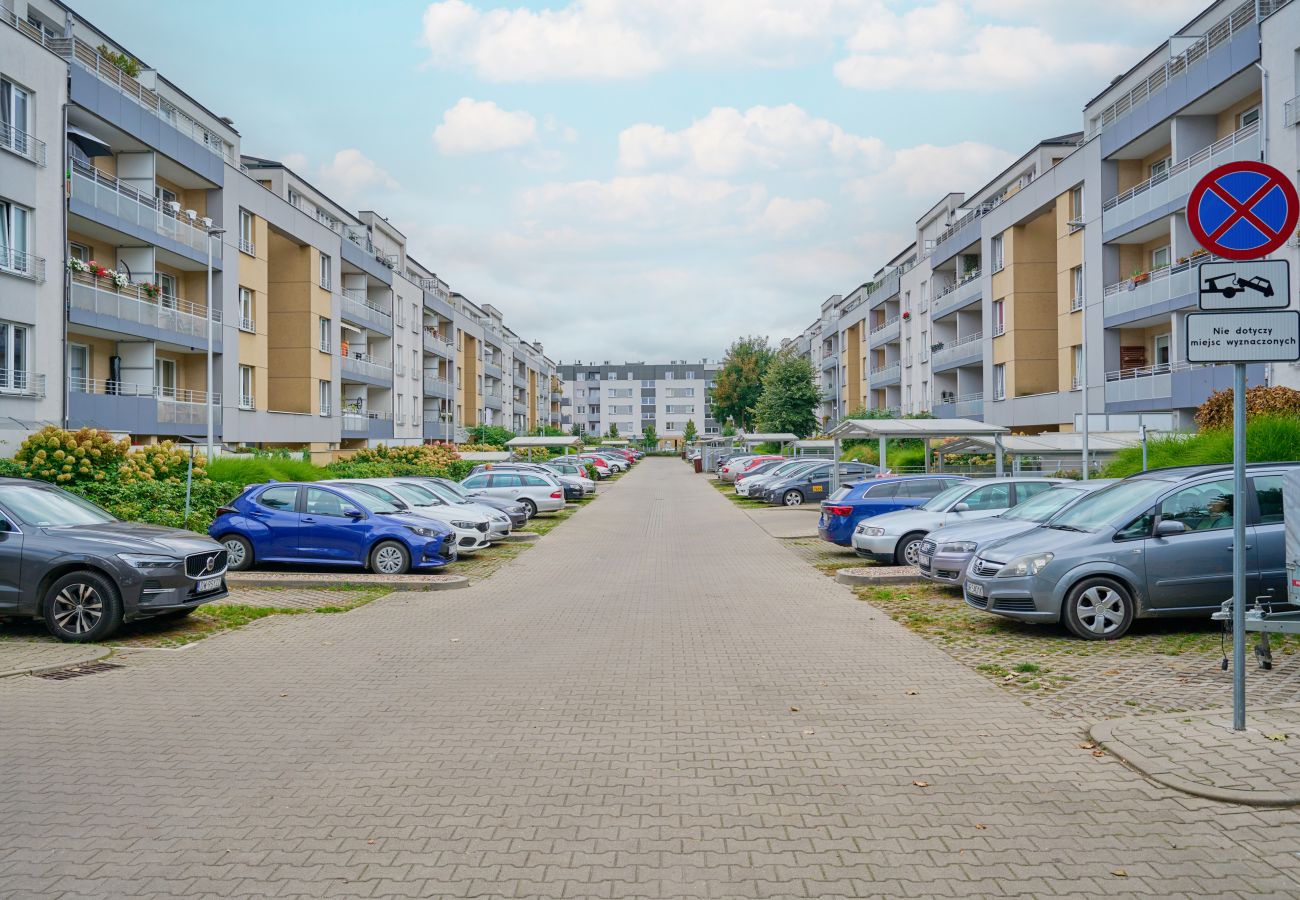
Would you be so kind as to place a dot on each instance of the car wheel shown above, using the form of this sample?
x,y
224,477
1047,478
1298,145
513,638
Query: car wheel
x,y
82,606
389,558
793,498
239,552
908,551
1098,609
530,508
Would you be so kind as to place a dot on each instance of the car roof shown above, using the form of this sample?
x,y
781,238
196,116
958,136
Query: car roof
x,y
1182,473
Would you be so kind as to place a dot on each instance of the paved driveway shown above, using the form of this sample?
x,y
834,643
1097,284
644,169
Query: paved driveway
x,y
658,700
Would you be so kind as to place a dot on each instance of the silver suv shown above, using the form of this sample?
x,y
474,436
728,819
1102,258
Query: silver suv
x,y
1155,544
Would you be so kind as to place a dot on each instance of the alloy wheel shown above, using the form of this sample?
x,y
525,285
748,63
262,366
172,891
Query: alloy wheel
x,y
78,608
793,498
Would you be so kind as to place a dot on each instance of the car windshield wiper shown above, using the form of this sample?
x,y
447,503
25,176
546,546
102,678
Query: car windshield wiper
x,y
1067,528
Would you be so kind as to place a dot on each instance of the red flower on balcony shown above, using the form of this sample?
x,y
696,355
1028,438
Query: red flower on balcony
x,y
906,316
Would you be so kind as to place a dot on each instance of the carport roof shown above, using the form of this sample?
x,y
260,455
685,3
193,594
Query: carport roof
x,y
1064,442
782,436
526,442
914,428
814,445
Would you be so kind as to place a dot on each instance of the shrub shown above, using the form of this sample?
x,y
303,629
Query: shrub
x,y
1267,440
162,462
384,462
245,470
1261,402
489,434
160,502
68,457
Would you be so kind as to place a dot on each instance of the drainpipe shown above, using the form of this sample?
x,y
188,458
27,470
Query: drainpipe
x,y
67,276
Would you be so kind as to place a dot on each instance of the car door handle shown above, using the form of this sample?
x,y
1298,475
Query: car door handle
x,y
308,519
1248,547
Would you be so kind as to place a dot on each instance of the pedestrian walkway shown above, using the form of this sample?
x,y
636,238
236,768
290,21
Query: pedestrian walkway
x,y
657,700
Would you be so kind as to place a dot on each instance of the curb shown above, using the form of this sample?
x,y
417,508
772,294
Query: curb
x,y
1103,734
95,655
846,576
433,583
519,537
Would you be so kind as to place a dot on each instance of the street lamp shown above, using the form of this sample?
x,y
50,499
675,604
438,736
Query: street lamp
x,y
212,232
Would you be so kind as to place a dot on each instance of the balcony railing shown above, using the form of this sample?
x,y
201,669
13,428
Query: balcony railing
x,y
956,294
887,372
22,143
885,324
1142,382
999,329
357,307
365,364
435,341
1180,280
358,419
435,384
970,405
105,192
247,246
246,401
1291,113
20,383
361,238
1179,179
175,405
133,304
22,264
957,349
247,324
60,45
1218,33
1076,304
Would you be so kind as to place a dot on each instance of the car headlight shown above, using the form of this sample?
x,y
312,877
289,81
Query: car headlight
x,y
424,532
958,547
870,531
148,561
1031,564
464,525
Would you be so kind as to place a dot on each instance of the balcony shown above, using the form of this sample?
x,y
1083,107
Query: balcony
x,y
361,238
22,144
1145,383
363,423
957,295
1164,193
22,264
885,332
888,286
105,193
1176,385
366,368
958,236
970,406
356,307
131,309
961,352
437,342
1291,112
140,409
1154,293
436,386
830,361
521,381
886,374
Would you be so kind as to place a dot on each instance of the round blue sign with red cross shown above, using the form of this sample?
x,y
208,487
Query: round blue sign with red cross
x,y
1243,210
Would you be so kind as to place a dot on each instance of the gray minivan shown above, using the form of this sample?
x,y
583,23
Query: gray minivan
x,y
1154,544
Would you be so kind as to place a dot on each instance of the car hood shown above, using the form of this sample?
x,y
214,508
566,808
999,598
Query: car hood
x,y
982,532
448,513
127,537
904,519
1037,540
414,521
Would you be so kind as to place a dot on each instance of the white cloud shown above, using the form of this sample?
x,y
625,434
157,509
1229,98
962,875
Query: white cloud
x,y
784,217
927,172
660,202
480,126
348,176
727,141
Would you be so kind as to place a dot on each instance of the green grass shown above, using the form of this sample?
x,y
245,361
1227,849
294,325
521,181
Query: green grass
x,y
257,470
1267,440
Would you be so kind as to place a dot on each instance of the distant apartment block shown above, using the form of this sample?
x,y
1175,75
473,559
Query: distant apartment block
x,y
631,396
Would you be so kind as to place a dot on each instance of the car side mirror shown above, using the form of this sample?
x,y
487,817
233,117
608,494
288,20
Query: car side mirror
x,y
961,507
352,512
1168,527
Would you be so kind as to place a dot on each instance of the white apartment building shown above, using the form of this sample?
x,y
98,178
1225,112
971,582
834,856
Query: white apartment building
x,y
632,396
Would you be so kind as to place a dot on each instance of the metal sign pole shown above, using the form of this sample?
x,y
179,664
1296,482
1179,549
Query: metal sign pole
x,y
1239,547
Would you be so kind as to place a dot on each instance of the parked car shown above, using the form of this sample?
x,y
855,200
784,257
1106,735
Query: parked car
x,y
762,468
895,538
752,485
1155,544
617,461
473,529
843,510
572,472
810,483
603,467
452,492
535,492
575,486
287,522
734,467
65,560
945,553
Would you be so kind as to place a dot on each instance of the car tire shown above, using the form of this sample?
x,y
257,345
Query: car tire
x,y
390,558
82,606
1098,609
530,508
792,497
905,554
239,552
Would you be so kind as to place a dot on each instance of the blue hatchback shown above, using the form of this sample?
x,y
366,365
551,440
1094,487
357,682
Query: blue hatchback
x,y
843,510
332,526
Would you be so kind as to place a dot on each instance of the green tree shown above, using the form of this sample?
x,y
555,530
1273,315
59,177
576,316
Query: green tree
x,y
489,434
689,433
613,430
649,437
740,381
577,429
789,399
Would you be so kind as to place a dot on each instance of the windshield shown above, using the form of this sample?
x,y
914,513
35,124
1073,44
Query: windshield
x,y
374,499
449,487
415,494
1041,507
1096,511
790,468
841,493
939,501
444,493
43,507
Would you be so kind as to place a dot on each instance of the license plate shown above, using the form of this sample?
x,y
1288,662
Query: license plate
x,y
923,558
975,590
210,584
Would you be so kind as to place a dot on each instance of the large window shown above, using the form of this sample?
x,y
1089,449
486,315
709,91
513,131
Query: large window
x,y
167,290
15,117
326,335
13,357
1076,380
1076,204
14,225
995,252
999,317
1202,507
326,272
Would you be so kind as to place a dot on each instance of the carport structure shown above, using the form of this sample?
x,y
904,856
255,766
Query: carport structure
x,y
924,429
1055,450
748,441
814,448
543,443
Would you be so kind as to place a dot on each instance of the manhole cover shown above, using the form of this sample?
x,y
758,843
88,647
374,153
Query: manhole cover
x,y
78,671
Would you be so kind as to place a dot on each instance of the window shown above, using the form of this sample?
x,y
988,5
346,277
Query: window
x,y
1201,507
323,503
1268,491
1076,204
648,384
885,491
281,498
922,489
506,480
79,367
13,237
13,357
1076,367
1160,346
326,330
15,118
326,393
415,409
690,376
398,408
1027,489
1000,381
999,317
79,252
995,252
1138,528
680,392
295,198
1160,167
167,290
326,272
1249,117
246,387
1160,258
166,198
246,232
1076,288
620,393
533,481
164,377
246,310
991,496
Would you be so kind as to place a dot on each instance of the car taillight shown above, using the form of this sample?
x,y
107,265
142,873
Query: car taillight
x,y
839,510
557,495
226,510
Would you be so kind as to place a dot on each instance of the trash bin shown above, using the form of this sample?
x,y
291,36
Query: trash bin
x,y
698,467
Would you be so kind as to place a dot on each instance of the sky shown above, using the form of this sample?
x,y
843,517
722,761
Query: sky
x,y
645,180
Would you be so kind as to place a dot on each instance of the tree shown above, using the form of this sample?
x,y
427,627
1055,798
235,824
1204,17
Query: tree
x,y
489,434
649,437
740,381
789,399
577,429
689,433
613,430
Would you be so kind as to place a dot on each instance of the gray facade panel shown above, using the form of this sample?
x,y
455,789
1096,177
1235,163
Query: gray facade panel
x,y
144,235
965,236
148,332
365,262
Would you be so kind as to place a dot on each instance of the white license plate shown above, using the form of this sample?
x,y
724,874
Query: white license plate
x,y
975,590
209,584
923,558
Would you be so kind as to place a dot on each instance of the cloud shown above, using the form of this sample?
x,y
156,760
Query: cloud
x,y
727,141
347,176
784,217
645,203
480,126
928,172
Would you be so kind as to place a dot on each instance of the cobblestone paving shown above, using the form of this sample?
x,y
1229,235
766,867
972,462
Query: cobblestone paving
x,y
657,701
290,598
21,657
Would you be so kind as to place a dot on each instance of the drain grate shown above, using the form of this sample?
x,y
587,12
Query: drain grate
x,y
78,671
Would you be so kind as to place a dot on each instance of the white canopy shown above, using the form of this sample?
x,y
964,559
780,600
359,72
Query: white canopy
x,y
485,455
1049,443
613,443
912,428
780,437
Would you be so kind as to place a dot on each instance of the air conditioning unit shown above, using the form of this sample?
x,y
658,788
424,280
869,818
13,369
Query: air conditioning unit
x,y
173,207
205,222
191,214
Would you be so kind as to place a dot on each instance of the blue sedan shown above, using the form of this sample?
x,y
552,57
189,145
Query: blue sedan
x,y
843,510
307,523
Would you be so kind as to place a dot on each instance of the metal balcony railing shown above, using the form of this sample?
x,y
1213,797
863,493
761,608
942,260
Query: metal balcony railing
x,y
894,320
21,383
21,143
247,246
1291,112
955,349
365,364
1179,280
357,307
175,405
22,264
134,304
105,192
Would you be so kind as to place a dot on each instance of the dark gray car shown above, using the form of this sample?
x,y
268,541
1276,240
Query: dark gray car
x,y
85,572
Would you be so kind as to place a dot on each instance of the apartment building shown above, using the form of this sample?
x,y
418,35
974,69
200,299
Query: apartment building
x,y
1073,270
201,282
632,396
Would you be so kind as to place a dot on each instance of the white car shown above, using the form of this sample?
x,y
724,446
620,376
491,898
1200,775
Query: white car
x,y
617,461
752,485
471,527
536,492
894,538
